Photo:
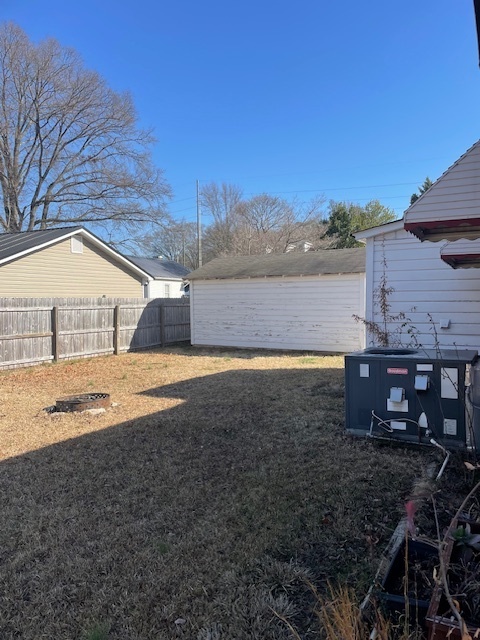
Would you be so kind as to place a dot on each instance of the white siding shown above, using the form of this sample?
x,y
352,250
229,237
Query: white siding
x,y
461,248
309,313
156,288
455,195
57,272
426,289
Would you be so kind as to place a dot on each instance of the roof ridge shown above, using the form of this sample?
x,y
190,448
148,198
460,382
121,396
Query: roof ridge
x,y
12,233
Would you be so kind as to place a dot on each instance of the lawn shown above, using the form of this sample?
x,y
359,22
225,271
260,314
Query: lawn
x,y
196,506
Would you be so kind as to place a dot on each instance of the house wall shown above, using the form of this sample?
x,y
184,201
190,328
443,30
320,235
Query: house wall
x,y
156,288
56,271
426,289
308,313
455,195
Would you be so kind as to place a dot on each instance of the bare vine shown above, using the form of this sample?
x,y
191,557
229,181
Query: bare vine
x,y
381,331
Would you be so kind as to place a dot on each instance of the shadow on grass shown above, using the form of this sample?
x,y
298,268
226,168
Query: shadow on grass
x,y
200,520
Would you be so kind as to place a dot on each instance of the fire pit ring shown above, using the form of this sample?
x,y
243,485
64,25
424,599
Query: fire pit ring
x,y
83,401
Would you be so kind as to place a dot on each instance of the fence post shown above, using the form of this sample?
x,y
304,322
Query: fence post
x,y
55,333
116,330
162,325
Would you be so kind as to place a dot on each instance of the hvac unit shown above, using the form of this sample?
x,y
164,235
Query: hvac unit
x,y
412,395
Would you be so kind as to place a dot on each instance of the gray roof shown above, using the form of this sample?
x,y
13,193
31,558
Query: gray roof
x,y
12,244
16,245
160,269
324,262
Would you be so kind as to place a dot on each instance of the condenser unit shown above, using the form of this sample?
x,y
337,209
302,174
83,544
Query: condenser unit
x,y
411,395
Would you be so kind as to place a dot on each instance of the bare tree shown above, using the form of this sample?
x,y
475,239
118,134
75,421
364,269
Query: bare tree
x,y
270,224
221,202
70,150
177,242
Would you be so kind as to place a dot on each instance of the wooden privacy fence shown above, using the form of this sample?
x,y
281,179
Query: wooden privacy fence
x,y
33,331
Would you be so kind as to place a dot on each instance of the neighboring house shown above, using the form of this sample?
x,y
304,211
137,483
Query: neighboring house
x,y
302,301
68,262
441,303
304,246
167,277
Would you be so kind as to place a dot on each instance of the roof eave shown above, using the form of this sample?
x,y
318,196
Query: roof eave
x,y
43,245
172,278
462,261
276,275
451,230
115,254
92,238
380,230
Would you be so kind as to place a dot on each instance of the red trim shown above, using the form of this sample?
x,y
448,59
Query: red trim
x,y
442,229
459,259
447,224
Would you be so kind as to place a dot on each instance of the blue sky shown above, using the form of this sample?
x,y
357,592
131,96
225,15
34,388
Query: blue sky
x,y
350,100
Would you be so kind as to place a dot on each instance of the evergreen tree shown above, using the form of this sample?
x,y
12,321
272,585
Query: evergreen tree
x,y
427,183
345,218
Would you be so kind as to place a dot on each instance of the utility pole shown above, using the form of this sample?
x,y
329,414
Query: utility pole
x,y
199,228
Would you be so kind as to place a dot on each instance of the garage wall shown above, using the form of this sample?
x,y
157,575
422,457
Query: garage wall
x,y
308,313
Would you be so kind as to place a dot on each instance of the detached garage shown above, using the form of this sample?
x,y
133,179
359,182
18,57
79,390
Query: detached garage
x,y
303,301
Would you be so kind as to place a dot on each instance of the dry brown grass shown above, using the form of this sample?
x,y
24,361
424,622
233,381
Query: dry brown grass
x,y
220,482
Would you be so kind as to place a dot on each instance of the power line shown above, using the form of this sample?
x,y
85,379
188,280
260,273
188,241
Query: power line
x,y
320,190
181,210
369,186
182,200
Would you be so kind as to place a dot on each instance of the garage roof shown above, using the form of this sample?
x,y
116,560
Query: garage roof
x,y
311,263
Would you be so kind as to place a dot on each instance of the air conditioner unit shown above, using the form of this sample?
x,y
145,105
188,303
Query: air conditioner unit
x,y
411,395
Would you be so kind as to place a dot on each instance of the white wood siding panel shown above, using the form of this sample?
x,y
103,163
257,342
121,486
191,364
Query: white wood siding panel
x,y
461,247
309,313
427,290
